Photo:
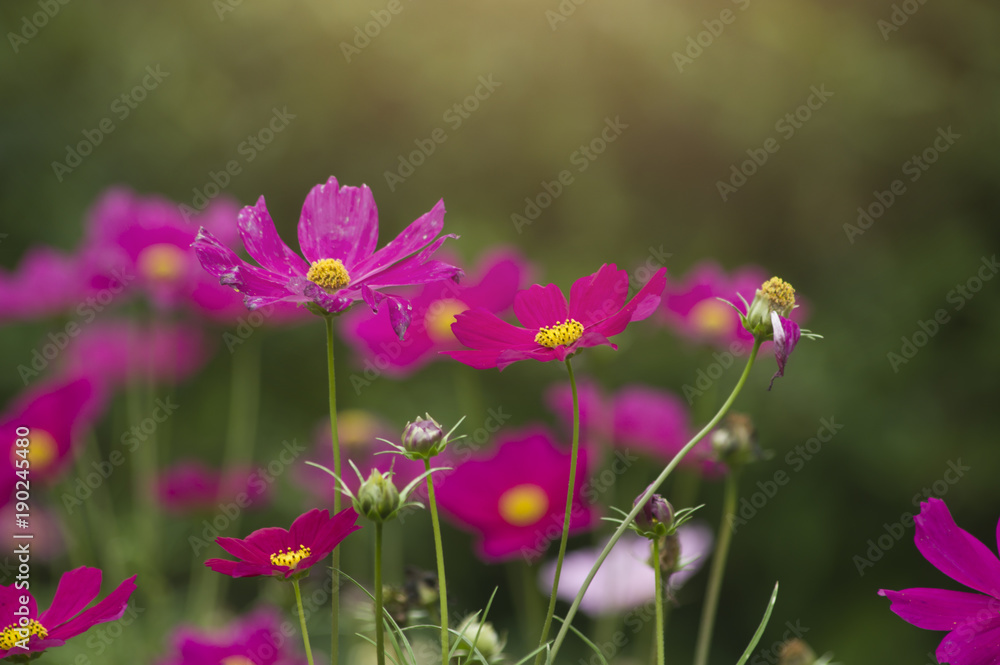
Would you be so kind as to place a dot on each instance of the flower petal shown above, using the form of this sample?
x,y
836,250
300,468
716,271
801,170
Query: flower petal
x,y
954,551
480,329
263,243
338,223
786,336
414,237
110,609
968,646
541,306
416,269
75,591
939,609
596,297
641,306
243,550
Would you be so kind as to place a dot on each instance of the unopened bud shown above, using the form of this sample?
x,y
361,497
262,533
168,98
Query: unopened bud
x,y
377,499
421,436
481,637
656,516
796,652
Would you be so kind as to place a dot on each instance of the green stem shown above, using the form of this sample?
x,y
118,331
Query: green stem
x,y
564,630
335,442
570,490
718,569
302,621
379,624
439,551
658,576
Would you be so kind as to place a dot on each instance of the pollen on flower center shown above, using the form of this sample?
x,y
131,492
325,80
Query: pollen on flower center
x,y
561,334
42,451
290,557
237,660
711,317
523,504
329,274
780,293
13,634
440,315
161,262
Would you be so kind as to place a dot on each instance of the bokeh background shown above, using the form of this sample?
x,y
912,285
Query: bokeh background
x,y
561,71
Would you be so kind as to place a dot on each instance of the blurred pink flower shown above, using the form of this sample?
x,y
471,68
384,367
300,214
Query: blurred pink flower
x,y
48,540
625,580
515,499
46,283
256,639
191,486
553,328
435,306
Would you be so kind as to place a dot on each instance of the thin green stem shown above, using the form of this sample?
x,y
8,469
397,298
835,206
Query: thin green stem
x,y
570,490
658,576
302,621
379,623
439,551
335,442
725,537
564,630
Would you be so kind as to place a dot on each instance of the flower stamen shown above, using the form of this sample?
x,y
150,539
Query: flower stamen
x,y
330,274
13,634
290,557
780,294
560,334
523,504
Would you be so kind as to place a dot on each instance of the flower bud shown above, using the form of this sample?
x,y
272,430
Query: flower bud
x,y
735,440
421,437
377,498
657,511
488,643
670,555
774,295
796,652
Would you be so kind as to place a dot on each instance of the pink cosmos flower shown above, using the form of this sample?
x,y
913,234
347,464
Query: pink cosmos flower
x,y
190,486
275,551
255,639
515,499
626,579
120,352
65,618
338,233
56,414
555,329
435,306
972,619
692,308
46,283
359,433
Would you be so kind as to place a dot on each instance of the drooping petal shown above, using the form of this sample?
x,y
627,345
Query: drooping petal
x,y
940,609
110,609
414,237
971,645
399,309
338,223
264,244
75,591
953,551
641,306
541,306
786,336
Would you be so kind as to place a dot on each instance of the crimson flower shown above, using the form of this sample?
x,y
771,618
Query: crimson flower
x,y
554,329
972,619
65,618
275,551
338,232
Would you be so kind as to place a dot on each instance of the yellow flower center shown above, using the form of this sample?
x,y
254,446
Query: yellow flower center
x,y
357,429
237,660
561,334
523,505
711,317
13,634
779,293
329,274
440,315
290,557
163,262
42,451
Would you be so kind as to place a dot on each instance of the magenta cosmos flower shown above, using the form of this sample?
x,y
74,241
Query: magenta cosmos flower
x,y
275,551
338,233
692,306
190,486
256,639
555,329
972,618
515,499
497,278
45,284
65,618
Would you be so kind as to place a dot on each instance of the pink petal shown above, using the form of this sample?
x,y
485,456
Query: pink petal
x,y
243,550
75,591
970,645
338,223
786,336
938,609
482,329
596,297
954,551
414,237
541,306
263,243
642,305
110,609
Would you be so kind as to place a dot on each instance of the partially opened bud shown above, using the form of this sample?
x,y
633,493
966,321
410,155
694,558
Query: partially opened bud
x,y
656,516
421,436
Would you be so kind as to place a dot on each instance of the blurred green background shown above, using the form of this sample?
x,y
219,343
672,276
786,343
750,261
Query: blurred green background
x,y
558,76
